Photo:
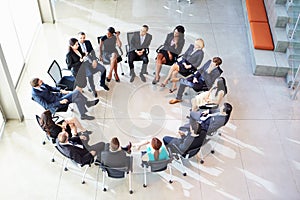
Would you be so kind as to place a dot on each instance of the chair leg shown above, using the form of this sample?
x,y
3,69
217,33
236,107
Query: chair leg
x,y
122,72
171,175
65,164
181,162
103,182
53,154
130,188
145,177
83,177
201,156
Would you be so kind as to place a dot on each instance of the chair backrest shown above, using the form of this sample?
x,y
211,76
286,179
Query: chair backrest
x,y
55,72
116,160
159,165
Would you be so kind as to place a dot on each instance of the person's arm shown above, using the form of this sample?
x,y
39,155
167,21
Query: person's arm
x,y
143,144
219,98
71,63
101,49
118,41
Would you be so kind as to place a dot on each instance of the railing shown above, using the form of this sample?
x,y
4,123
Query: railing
x,y
295,27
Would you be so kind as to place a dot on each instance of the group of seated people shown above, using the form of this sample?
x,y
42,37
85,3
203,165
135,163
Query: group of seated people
x,y
84,63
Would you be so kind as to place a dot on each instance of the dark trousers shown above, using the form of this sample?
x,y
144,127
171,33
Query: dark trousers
x,y
76,97
90,71
132,56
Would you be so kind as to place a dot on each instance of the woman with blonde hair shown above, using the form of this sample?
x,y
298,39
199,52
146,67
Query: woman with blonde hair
x,y
186,64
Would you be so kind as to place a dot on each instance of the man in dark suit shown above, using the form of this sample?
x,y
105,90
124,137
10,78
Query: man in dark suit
x,y
86,47
54,98
203,77
138,50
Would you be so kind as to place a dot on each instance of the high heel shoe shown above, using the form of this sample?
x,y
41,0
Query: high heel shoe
x,y
116,77
108,79
172,90
155,81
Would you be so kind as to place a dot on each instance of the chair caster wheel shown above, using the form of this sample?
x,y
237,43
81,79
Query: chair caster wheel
x,y
201,161
130,192
144,185
212,151
122,73
104,189
53,160
66,169
83,182
153,73
170,181
220,134
184,174
44,142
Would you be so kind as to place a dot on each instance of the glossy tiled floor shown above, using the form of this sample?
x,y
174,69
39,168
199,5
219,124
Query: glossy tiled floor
x,y
256,158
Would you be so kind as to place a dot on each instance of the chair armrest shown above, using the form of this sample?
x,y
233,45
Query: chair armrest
x,y
159,48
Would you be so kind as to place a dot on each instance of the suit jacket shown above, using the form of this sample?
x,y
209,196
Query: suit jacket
x,y
135,42
89,49
196,58
73,60
47,96
213,123
208,78
116,159
78,154
168,47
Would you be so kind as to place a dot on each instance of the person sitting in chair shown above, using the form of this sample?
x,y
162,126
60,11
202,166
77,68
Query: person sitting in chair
x,y
201,124
187,64
76,148
54,98
109,53
86,47
204,77
139,47
154,151
70,125
171,49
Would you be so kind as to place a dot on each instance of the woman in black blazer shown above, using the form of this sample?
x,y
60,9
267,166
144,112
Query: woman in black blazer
x,y
76,61
171,49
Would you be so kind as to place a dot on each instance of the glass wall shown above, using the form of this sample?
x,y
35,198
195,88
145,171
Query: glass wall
x,y
2,121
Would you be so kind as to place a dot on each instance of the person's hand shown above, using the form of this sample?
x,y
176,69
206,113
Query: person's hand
x,y
118,33
64,91
94,64
181,133
64,101
187,66
82,137
101,58
139,147
139,53
93,152
195,80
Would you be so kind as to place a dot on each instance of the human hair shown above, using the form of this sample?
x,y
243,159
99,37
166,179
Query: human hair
x,y
156,144
34,82
221,85
217,60
46,121
227,109
114,144
62,137
146,27
180,29
72,42
200,43
81,33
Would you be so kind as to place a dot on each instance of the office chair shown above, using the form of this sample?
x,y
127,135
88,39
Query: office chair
x,y
67,158
64,82
114,166
58,110
47,137
119,58
157,166
127,46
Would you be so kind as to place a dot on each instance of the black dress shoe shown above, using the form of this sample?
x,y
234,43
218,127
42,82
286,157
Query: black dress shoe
x,y
87,117
95,94
105,87
92,103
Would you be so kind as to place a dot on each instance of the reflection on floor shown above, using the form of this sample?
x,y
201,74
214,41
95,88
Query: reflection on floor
x,y
257,156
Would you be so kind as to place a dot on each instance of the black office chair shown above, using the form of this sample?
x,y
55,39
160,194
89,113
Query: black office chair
x,y
65,82
127,46
157,166
119,58
67,158
113,167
